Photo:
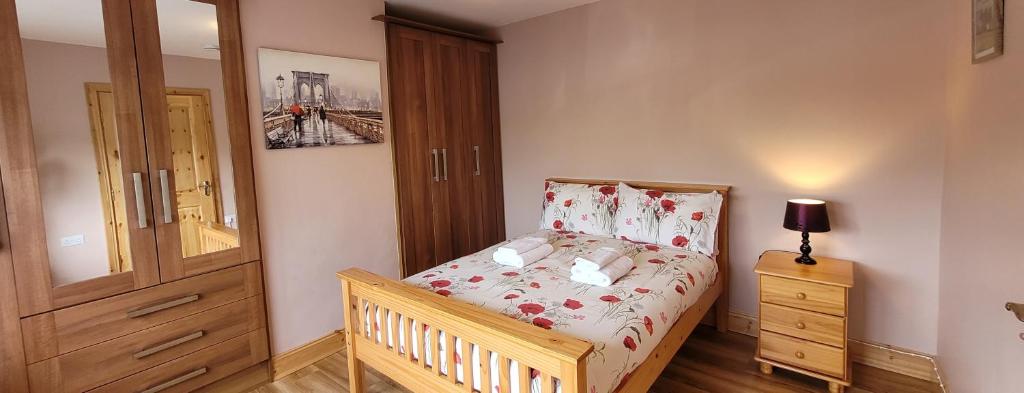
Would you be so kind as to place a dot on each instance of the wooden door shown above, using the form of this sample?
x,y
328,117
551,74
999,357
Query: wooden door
x,y
452,105
189,219
422,191
42,282
484,143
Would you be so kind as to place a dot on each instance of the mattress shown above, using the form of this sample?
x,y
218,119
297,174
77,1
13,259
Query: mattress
x,y
624,321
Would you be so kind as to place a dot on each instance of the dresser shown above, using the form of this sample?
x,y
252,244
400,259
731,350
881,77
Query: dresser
x,y
447,145
804,314
129,240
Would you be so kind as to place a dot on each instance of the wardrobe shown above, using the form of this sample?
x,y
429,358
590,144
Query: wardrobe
x,y
447,145
129,246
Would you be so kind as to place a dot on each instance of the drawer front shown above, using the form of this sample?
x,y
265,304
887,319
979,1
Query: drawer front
x,y
822,328
197,369
62,331
804,354
76,371
804,295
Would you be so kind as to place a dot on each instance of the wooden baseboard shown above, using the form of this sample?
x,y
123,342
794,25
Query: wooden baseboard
x,y
288,362
885,357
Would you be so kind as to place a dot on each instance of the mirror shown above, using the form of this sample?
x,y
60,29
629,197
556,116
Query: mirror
x,y
75,136
201,149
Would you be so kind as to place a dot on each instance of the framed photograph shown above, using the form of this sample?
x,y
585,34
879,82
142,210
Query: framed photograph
x,y
313,100
987,30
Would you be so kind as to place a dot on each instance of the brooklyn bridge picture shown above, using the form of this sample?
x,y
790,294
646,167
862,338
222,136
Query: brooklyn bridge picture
x,y
313,100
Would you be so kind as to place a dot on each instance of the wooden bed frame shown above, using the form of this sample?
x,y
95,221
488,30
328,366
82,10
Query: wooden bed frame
x,y
554,355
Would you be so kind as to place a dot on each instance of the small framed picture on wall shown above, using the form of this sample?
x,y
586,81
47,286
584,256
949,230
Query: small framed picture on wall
x,y
987,29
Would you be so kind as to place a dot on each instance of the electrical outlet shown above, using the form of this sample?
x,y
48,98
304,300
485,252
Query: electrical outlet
x,y
73,240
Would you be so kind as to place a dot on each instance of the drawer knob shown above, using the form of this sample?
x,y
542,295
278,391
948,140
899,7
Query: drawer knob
x,y
799,355
800,325
801,295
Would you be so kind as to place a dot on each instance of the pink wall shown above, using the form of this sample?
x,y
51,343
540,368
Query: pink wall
x,y
983,214
321,209
839,100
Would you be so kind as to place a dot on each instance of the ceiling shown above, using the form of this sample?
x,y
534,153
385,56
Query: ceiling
x,y
186,27
478,15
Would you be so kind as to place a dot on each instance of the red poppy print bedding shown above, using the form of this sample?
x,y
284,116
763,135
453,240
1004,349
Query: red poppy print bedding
x,y
625,321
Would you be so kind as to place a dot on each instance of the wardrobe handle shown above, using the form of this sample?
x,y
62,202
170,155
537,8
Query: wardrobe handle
x,y
162,306
476,152
174,382
168,345
165,196
444,160
437,175
140,202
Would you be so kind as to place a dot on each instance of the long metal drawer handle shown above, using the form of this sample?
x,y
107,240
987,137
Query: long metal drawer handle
x,y
165,196
476,152
169,384
168,345
162,306
437,174
140,202
444,159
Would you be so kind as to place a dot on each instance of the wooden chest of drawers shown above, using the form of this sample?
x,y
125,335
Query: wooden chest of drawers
x,y
176,336
803,318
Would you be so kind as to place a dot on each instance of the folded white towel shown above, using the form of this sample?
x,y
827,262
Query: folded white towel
x,y
522,260
520,246
596,260
607,275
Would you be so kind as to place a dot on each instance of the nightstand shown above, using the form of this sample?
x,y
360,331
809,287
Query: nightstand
x,y
804,317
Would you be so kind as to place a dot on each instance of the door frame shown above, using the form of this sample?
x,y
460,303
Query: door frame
x,y
36,292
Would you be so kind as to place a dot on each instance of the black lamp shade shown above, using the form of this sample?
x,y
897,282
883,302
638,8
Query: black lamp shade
x,y
806,215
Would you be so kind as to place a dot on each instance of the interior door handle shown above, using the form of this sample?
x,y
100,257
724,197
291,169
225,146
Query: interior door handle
x,y
476,153
1017,309
444,160
165,196
140,201
437,174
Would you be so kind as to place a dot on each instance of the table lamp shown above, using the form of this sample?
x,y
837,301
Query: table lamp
x,y
806,215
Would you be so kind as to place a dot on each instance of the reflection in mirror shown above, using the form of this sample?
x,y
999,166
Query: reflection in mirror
x,y
65,53
200,147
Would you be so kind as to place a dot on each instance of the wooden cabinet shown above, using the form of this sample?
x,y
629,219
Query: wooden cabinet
x,y
447,144
804,312
128,231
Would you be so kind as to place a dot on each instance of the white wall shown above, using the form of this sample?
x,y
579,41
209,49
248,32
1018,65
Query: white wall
x,y
321,209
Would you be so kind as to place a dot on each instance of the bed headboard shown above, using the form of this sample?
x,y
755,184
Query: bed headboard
x,y
722,238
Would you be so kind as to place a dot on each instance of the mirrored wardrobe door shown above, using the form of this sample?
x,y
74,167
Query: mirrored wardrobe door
x,y
72,154
194,104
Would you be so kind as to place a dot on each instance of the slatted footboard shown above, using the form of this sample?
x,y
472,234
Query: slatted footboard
x,y
377,309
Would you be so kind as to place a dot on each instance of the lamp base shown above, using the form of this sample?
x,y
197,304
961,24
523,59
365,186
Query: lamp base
x,y
805,251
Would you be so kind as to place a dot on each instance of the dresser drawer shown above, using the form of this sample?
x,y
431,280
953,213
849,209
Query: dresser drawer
x,y
76,371
807,355
62,331
804,295
822,328
197,369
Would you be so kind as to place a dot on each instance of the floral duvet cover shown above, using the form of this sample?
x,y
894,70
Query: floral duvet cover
x,y
624,321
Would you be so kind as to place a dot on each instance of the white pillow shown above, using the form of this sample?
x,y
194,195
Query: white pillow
x,y
680,220
580,208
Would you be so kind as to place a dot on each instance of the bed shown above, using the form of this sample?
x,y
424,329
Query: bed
x,y
531,329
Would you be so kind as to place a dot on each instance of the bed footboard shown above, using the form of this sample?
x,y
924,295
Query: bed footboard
x,y
400,307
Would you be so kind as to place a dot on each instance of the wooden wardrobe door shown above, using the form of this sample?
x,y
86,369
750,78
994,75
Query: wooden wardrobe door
x,y
453,105
43,280
484,143
196,189
422,193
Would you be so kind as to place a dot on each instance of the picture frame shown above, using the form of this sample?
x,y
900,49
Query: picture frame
x,y
987,18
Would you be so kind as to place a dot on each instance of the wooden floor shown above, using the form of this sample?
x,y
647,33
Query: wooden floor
x,y
708,362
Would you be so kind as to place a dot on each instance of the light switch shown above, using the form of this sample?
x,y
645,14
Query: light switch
x,y
73,240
